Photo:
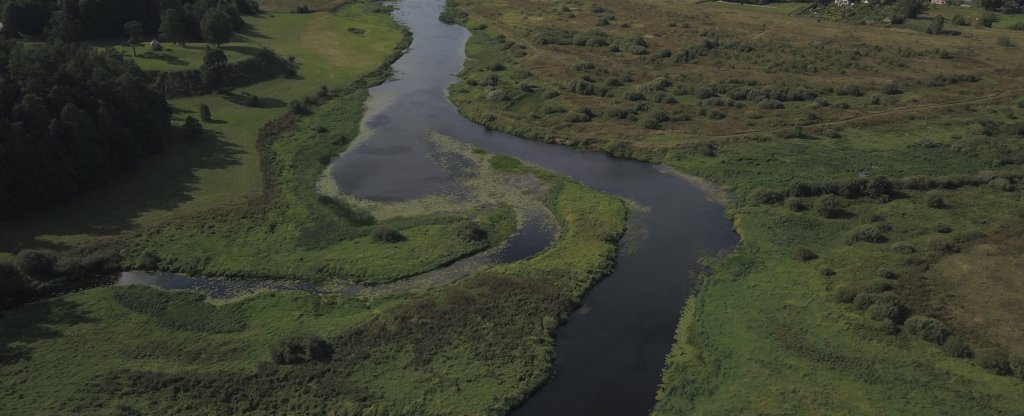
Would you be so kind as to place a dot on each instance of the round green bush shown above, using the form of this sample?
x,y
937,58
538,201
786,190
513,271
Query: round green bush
x,y
469,231
35,264
957,347
928,329
386,235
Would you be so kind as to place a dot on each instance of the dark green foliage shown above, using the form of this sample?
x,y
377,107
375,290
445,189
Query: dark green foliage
x,y
868,234
470,232
826,270
891,89
64,27
937,25
795,205
14,289
298,350
928,329
845,294
959,20
935,201
191,129
173,26
204,113
851,90
182,311
804,254
216,27
72,118
883,311
1016,361
827,206
764,196
582,87
297,107
35,264
957,347
995,360
1003,41
903,247
303,9
387,235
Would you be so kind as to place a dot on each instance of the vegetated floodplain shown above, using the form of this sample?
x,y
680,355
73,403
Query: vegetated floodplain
x,y
477,346
874,172
206,207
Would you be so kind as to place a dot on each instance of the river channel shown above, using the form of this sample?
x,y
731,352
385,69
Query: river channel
x,y
612,350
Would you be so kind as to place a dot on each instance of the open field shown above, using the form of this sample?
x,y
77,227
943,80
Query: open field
x,y
815,313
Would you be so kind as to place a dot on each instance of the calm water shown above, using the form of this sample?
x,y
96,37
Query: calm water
x,y
611,352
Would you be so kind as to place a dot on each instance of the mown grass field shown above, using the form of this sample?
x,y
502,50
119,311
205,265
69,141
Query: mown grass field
x,y
811,315
475,347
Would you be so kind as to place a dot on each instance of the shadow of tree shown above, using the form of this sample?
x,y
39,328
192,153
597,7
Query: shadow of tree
x,y
244,99
162,182
24,325
166,57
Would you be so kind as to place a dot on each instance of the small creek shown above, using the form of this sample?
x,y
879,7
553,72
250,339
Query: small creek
x,y
612,350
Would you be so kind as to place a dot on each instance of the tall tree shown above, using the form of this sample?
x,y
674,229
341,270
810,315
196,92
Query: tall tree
x,y
134,31
216,27
172,25
64,27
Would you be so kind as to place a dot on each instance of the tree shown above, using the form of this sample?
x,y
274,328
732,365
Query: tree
x,y
992,4
214,57
64,27
937,24
134,31
216,27
172,25
204,113
191,129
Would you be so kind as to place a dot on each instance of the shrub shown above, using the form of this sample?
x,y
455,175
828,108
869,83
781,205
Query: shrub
x,y
704,93
995,360
943,228
851,90
1016,362
935,201
903,247
1003,41
943,244
959,20
827,206
845,294
884,311
252,100
804,254
864,300
297,107
300,350
957,347
204,113
636,49
886,273
928,329
577,117
826,270
470,232
764,196
794,204
35,264
386,235
832,134
633,96
890,89
191,129
770,104
664,53
582,87
496,95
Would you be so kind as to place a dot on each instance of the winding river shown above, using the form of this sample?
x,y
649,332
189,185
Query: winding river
x,y
612,350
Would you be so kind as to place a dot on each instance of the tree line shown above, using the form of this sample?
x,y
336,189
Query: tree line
x,y
74,20
72,117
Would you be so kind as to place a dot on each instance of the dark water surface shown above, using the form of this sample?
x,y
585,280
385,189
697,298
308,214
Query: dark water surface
x,y
611,352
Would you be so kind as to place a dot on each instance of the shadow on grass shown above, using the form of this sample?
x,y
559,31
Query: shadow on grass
x,y
166,57
162,182
244,100
33,322
244,50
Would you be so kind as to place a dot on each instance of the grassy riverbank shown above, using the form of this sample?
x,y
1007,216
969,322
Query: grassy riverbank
x,y
208,207
475,347
875,189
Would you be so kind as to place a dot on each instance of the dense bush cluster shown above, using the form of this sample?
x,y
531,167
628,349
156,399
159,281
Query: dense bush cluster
x,y
71,119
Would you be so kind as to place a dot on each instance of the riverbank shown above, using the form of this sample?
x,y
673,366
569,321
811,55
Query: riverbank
x,y
853,232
